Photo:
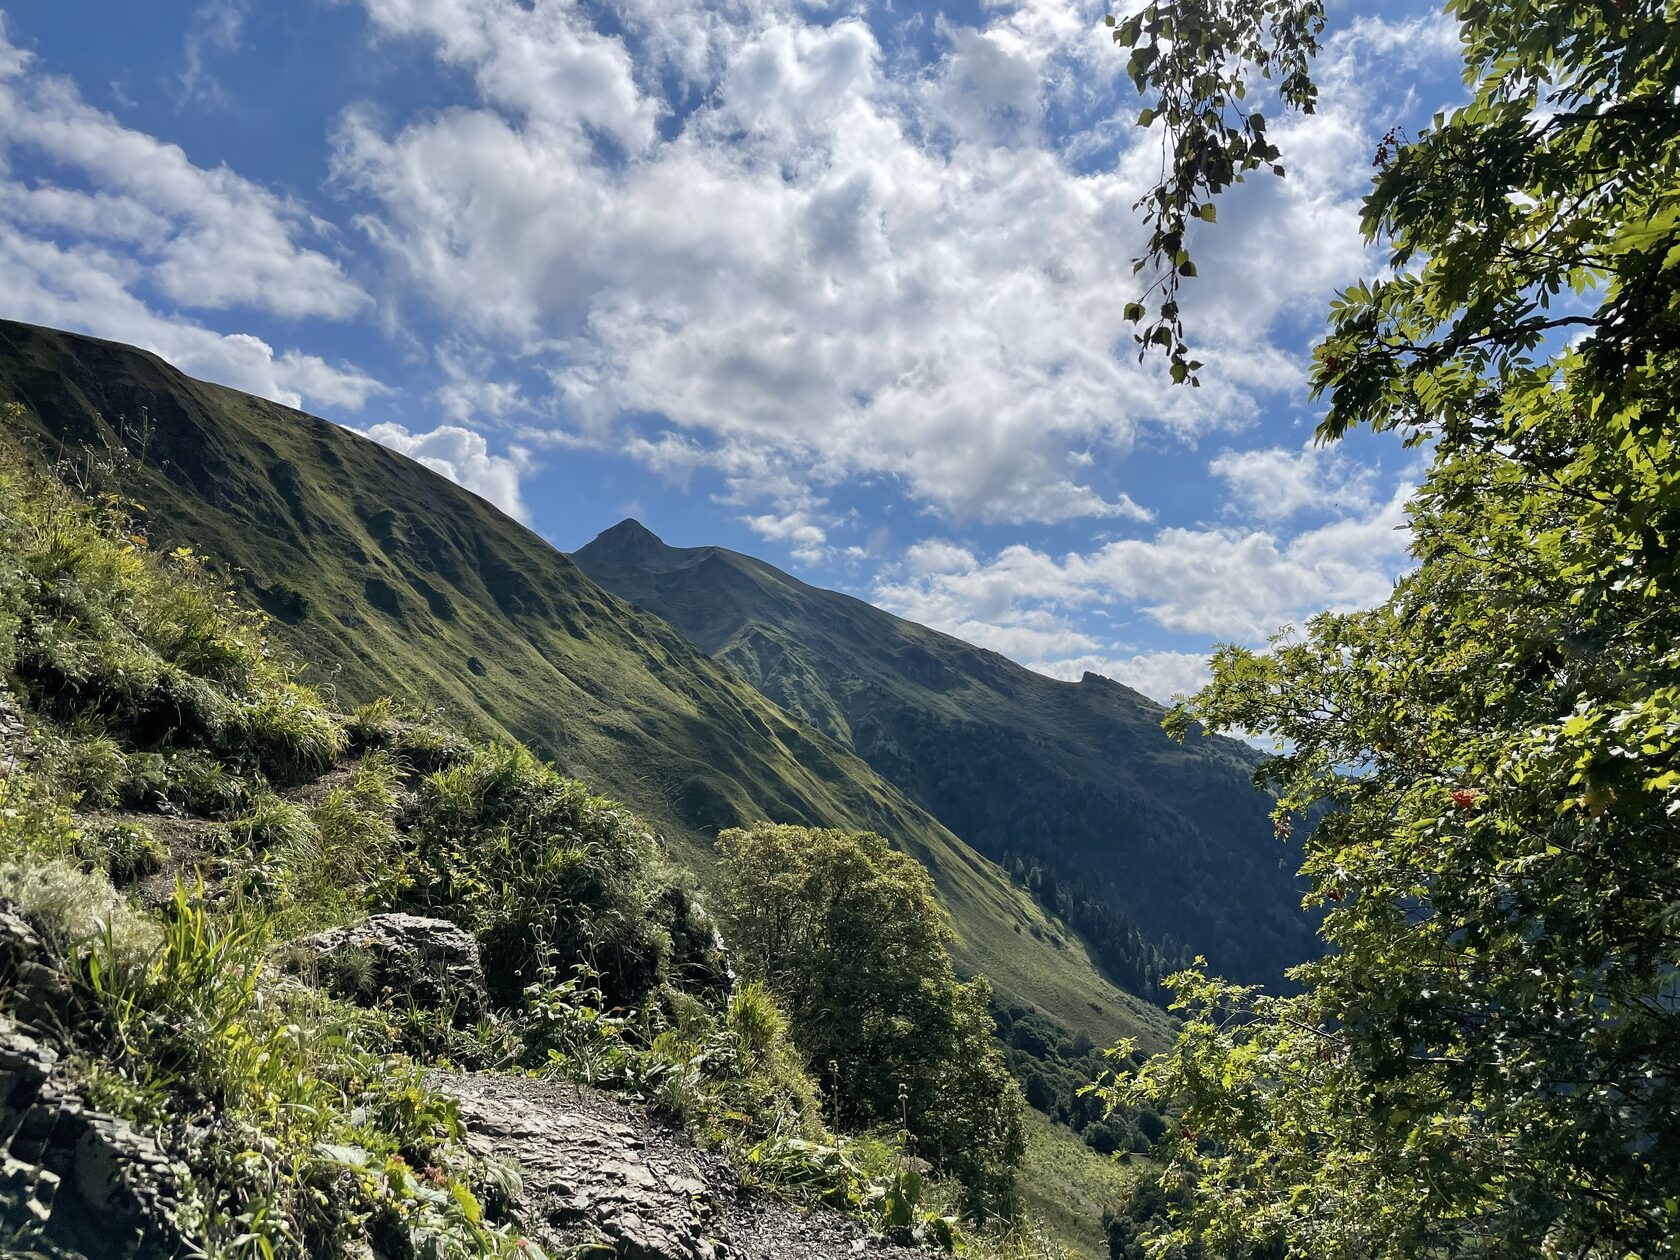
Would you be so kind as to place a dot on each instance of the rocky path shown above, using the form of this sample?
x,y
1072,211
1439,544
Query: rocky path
x,y
597,1169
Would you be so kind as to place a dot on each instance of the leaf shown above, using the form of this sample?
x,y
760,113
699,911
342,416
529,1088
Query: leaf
x,y
468,1202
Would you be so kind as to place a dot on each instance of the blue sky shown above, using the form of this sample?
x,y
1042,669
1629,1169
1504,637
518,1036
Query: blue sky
x,y
837,285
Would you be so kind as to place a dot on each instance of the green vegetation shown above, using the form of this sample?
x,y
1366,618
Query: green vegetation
x,y
1132,843
849,937
1488,1064
302,1114
384,578
1067,1188
1054,1068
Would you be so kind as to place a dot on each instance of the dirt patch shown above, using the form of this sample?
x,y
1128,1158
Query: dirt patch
x,y
190,846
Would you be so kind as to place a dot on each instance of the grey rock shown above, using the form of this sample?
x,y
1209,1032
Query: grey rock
x,y
75,1181
41,996
431,961
595,1168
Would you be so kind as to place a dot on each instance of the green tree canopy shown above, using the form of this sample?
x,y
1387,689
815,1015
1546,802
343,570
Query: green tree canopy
x,y
1487,1062
849,936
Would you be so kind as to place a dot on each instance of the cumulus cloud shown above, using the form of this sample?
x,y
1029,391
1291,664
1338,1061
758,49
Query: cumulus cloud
x,y
146,217
464,456
802,253
1159,675
1274,484
936,555
84,288
1233,585
206,238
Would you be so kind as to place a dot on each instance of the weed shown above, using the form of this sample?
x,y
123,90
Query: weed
x,y
127,851
273,825
373,725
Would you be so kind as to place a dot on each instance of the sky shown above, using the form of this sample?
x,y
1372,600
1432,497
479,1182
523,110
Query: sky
x,y
837,285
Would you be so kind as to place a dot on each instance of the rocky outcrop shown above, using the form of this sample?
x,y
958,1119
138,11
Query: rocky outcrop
x,y
73,1180
597,1170
432,962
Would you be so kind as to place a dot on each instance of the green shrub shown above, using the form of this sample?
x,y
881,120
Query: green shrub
x,y
372,725
545,874
290,733
33,822
350,846
429,746
126,851
849,936
84,765
272,825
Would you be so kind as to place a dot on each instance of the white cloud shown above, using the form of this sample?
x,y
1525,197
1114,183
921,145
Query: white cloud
x,y
79,258
83,288
541,60
463,456
204,238
1275,484
815,259
1225,584
1159,675
935,555
216,26
807,540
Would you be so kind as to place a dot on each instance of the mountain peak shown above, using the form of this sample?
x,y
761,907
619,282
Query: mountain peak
x,y
629,530
629,540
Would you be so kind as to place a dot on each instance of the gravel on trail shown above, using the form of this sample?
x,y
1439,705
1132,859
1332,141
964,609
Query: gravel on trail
x,y
598,1169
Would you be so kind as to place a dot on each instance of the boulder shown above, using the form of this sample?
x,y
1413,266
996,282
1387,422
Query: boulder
x,y
385,957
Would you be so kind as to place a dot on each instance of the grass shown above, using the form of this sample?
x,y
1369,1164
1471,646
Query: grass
x,y
298,1109
386,578
1065,1187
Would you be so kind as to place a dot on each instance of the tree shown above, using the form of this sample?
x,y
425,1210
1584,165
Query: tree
x,y
849,936
1487,1062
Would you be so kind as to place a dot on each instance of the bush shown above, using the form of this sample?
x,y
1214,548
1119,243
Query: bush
x,y
272,825
126,851
849,937
545,874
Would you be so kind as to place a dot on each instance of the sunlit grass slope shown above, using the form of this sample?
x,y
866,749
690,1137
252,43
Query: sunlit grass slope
x,y
394,580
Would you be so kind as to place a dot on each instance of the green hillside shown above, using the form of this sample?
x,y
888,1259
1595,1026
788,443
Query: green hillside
x,y
392,579
1148,847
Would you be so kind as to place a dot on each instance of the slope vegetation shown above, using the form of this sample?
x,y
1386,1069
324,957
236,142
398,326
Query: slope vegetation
x,y
392,580
1145,845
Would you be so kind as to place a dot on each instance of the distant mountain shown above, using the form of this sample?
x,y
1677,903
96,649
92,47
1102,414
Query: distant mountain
x,y
1150,848
395,580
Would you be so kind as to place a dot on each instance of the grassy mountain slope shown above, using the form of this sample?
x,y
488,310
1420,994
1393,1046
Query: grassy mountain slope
x,y
394,580
1077,778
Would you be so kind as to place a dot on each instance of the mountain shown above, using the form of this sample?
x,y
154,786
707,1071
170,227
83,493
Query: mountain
x,y
1149,847
392,579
